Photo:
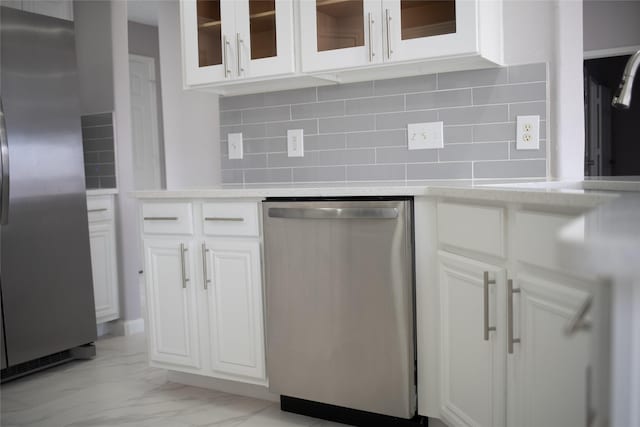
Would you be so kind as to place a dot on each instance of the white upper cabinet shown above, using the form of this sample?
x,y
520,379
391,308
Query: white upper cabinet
x,y
226,40
339,34
343,34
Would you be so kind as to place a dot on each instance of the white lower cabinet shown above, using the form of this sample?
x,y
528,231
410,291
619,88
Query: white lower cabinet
x,y
549,372
204,291
104,267
171,302
506,356
234,307
472,383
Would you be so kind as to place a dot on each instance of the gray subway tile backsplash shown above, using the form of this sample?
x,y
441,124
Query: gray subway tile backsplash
x,y
358,131
405,85
99,151
438,99
511,169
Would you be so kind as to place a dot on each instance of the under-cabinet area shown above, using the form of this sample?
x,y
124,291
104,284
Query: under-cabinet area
x,y
505,334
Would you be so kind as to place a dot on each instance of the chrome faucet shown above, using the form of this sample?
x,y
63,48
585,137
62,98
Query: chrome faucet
x,y
622,98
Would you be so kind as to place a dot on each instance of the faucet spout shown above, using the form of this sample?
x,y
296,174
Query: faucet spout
x,y
622,98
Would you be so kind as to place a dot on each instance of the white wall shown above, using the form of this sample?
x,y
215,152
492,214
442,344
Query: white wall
x,y
551,31
191,119
611,24
129,262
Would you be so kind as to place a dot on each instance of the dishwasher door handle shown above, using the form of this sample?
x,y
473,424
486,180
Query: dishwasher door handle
x,y
334,213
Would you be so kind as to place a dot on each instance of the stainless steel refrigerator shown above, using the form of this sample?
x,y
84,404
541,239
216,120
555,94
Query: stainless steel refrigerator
x,y
45,267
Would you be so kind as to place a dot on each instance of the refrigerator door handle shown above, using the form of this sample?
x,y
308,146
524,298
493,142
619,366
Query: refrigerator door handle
x,y
4,172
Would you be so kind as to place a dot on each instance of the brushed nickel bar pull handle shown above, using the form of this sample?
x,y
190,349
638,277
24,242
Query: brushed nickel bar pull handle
x,y
371,52
4,169
577,322
160,218
205,275
388,22
225,56
510,339
98,210
223,218
185,279
333,213
239,43
487,328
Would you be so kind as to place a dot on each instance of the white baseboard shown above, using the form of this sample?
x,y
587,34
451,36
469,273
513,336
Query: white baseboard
x,y
231,387
122,327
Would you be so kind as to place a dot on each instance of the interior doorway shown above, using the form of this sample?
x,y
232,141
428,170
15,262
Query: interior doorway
x,y
612,142
144,123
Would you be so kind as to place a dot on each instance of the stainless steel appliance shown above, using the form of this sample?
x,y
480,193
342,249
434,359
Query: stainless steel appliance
x,y
339,299
45,265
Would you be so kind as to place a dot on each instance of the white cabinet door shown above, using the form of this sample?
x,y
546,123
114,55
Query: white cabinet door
x,y
473,378
208,35
171,302
264,38
340,34
547,369
234,297
103,265
429,29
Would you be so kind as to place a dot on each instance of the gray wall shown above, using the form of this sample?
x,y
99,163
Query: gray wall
x,y
143,40
611,24
357,132
92,19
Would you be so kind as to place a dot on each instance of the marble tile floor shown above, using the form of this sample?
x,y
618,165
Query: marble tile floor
x,y
118,388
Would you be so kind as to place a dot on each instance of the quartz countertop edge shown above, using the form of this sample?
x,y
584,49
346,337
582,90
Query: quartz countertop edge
x,y
461,190
605,241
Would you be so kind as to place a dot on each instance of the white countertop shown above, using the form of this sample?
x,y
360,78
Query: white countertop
x,y
544,192
102,192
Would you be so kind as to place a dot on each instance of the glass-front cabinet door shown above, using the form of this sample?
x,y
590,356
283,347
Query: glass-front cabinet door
x,y
264,37
418,29
231,39
351,33
340,33
207,26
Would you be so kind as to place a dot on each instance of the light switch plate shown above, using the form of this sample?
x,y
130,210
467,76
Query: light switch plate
x,y
527,132
235,145
424,135
295,142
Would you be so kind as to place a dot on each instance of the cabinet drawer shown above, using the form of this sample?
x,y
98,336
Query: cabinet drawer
x,y
100,208
167,218
230,219
536,237
477,228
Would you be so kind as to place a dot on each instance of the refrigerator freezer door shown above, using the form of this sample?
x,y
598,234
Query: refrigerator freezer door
x,y
45,260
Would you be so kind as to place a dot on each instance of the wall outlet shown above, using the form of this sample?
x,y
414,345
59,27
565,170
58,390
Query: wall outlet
x,y
527,132
235,145
424,135
295,142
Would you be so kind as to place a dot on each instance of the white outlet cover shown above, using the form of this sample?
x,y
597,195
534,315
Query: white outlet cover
x,y
425,135
527,132
235,145
295,142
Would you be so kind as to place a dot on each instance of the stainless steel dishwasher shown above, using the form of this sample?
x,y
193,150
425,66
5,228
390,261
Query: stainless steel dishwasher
x,y
339,297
